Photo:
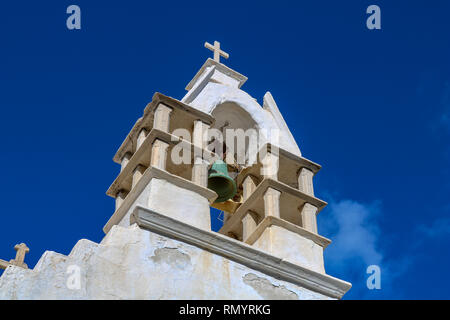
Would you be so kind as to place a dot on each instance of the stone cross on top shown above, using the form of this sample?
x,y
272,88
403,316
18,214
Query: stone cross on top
x,y
21,249
216,49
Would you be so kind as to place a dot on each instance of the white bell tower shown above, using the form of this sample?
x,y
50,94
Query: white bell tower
x,y
159,243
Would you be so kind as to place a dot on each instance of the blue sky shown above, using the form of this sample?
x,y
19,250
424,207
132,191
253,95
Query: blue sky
x,y
372,107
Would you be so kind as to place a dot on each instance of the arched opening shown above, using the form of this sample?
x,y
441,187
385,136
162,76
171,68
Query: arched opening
x,y
236,125
229,117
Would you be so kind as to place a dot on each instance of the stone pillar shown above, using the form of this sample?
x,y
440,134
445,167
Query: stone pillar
x,y
200,172
159,154
248,225
125,159
270,165
199,134
226,217
120,197
248,186
308,217
272,203
161,120
140,139
137,174
305,181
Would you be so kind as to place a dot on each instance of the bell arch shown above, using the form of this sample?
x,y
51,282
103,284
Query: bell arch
x,y
238,129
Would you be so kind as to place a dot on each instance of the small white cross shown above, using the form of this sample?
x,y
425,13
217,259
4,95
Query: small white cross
x,y
216,49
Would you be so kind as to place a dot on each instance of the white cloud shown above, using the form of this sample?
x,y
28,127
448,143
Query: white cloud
x,y
358,242
352,227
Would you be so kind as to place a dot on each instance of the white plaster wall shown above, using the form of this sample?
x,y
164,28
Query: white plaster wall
x,y
215,94
131,263
178,203
292,247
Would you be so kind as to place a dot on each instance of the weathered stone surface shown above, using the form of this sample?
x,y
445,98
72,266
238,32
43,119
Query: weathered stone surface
x,y
172,257
267,289
131,263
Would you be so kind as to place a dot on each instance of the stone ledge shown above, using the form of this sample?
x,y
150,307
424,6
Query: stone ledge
x,y
290,197
143,154
146,121
220,67
274,221
150,173
240,252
